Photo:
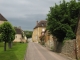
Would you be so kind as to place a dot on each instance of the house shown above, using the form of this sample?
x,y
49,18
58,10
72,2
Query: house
x,y
19,37
41,35
2,19
40,27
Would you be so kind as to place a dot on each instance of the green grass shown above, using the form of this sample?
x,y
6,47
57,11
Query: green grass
x,y
17,52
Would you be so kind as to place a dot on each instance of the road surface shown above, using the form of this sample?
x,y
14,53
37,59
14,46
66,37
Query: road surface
x,y
37,52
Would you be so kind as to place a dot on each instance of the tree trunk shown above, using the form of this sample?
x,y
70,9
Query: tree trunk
x,y
55,45
10,45
4,46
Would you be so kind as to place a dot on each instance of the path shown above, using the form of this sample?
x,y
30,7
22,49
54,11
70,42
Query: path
x,y
37,52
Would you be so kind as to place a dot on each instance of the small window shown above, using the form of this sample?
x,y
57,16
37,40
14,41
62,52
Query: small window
x,y
15,36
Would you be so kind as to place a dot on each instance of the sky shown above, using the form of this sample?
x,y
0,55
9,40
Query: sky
x,y
25,13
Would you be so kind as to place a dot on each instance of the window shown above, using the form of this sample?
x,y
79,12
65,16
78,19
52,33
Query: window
x,y
42,24
15,36
43,30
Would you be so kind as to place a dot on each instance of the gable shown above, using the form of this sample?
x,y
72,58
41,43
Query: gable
x,y
2,18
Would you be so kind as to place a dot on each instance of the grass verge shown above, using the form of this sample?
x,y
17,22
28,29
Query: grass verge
x,y
17,52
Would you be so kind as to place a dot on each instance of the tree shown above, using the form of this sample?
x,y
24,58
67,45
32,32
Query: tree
x,y
28,34
62,19
7,33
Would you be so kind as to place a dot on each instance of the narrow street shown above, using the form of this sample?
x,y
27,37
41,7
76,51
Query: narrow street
x,y
37,52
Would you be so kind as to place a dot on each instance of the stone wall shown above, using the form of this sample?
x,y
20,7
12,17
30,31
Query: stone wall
x,y
50,44
69,48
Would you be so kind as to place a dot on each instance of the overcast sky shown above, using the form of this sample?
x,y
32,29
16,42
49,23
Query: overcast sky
x,y
25,13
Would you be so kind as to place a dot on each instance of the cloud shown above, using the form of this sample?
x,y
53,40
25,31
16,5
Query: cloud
x,y
25,13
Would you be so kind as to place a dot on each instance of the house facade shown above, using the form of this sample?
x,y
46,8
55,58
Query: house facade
x,y
40,34
40,27
19,37
35,35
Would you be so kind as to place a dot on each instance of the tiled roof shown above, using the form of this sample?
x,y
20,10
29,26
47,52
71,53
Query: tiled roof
x,y
18,30
2,18
42,23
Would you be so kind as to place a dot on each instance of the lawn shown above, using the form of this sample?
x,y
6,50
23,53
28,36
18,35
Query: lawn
x,y
17,52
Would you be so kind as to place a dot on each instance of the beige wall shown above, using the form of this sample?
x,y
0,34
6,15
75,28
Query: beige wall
x,y
37,34
18,38
1,22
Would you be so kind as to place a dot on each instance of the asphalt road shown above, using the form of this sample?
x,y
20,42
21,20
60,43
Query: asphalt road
x,y
37,52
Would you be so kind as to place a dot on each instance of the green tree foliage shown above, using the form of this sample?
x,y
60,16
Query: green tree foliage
x,y
62,19
7,33
28,34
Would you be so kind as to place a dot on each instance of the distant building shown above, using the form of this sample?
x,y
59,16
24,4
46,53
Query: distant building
x,y
40,27
19,37
40,34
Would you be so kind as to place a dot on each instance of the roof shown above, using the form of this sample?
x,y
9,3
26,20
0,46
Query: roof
x,y
2,18
42,23
18,30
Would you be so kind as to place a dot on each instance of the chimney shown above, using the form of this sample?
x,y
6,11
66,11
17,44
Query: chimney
x,y
37,22
19,27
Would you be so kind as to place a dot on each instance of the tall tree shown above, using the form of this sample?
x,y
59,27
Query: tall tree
x,y
7,33
62,19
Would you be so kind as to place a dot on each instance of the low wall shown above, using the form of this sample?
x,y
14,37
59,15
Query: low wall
x,y
69,48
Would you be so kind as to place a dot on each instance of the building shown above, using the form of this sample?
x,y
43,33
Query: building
x,y
19,37
40,27
2,19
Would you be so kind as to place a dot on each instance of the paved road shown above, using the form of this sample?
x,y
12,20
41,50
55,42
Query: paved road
x,y
37,52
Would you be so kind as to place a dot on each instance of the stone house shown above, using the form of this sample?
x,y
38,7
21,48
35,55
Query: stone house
x,y
2,19
40,27
19,37
40,34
